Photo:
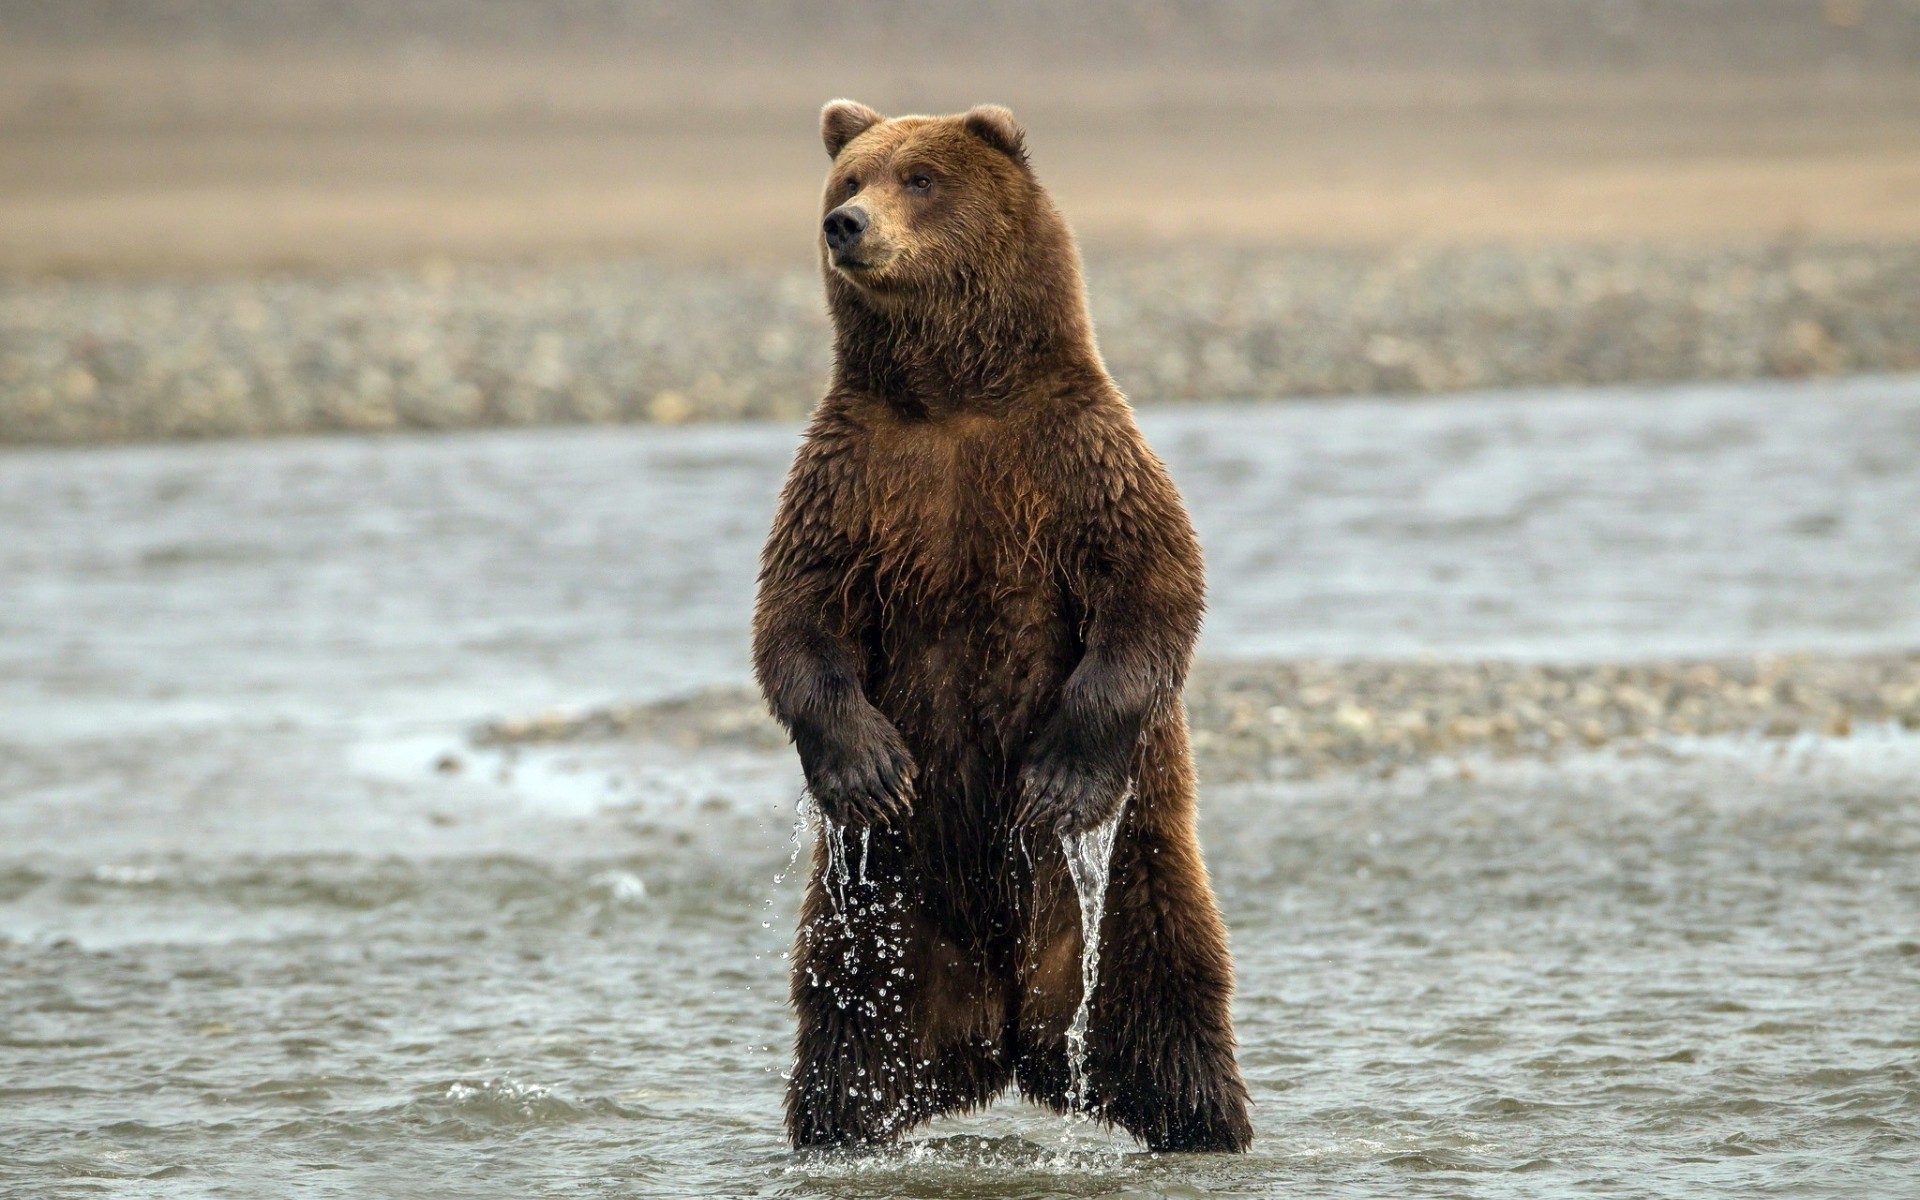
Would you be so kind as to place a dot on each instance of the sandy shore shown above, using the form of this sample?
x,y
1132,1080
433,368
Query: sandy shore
x,y
234,138
224,175
236,219
1296,719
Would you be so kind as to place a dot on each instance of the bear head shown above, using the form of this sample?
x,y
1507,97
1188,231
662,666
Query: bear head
x,y
918,204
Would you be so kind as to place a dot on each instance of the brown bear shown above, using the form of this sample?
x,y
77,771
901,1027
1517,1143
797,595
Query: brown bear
x,y
976,610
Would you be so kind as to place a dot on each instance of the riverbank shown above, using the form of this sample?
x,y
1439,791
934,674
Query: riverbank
x,y
639,340
1308,719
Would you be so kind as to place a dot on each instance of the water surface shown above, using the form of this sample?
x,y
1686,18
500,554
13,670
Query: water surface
x,y
269,926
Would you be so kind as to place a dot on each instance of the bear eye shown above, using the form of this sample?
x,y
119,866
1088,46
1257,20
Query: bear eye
x,y
919,182
853,185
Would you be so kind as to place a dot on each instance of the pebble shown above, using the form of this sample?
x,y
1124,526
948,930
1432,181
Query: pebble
x,y
1313,718
450,347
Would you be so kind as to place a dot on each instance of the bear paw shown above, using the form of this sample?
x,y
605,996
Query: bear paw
x,y
863,780
1069,793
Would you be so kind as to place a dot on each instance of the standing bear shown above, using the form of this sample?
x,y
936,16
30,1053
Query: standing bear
x,y
976,610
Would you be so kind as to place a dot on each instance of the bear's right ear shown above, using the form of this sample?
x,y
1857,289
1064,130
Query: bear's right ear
x,y
841,121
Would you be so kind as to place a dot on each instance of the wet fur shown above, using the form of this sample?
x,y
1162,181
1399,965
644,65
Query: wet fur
x,y
976,611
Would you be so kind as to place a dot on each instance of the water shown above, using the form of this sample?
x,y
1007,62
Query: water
x,y
269,926
1089,861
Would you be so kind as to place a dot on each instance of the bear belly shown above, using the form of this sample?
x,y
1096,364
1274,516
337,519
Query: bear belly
x,y
967,694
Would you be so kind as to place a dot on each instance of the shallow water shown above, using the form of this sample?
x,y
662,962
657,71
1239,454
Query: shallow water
x,y
1691,978
255,941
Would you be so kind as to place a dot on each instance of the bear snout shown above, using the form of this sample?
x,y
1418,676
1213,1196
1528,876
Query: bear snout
x,y
844,227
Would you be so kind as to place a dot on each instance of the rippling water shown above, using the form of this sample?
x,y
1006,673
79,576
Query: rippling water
x,y
268,926
1693,978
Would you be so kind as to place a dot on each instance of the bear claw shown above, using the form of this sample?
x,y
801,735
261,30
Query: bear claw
x,y
1069,798
864,789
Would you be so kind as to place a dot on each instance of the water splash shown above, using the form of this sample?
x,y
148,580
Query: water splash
x,y
1089,861
803,815
865,918
963,1164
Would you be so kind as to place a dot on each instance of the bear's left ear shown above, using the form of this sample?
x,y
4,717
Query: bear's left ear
x,y
996,127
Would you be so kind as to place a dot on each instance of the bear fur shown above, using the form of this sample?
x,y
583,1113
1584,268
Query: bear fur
x,y
976,610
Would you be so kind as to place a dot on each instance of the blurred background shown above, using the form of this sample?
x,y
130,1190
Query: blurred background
x,y
389,812
437,213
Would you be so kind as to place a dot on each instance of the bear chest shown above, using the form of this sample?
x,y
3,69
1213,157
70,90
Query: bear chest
x,y
956,519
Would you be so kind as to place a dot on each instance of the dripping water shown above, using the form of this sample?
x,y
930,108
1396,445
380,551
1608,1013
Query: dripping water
x,y
838,873
1089,861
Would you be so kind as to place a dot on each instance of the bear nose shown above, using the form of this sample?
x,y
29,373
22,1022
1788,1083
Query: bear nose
x,y
844,226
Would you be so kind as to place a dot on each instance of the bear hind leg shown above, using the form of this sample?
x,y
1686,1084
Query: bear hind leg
x,y
878,1052
1171,1083
849,1088
1160,1046
1162,1040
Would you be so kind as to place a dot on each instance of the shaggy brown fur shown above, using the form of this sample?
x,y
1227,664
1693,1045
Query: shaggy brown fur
x,y
976,611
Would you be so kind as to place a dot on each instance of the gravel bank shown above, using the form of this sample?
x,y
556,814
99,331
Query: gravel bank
x,y
1315,718
456,347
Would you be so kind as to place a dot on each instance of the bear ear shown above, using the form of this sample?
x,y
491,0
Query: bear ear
x,y
996,127
841,121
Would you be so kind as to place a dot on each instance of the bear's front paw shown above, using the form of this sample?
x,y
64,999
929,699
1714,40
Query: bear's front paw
x,y
1069,793
863,780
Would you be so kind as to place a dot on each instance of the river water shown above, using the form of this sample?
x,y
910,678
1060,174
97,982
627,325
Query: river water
x,y
270,926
